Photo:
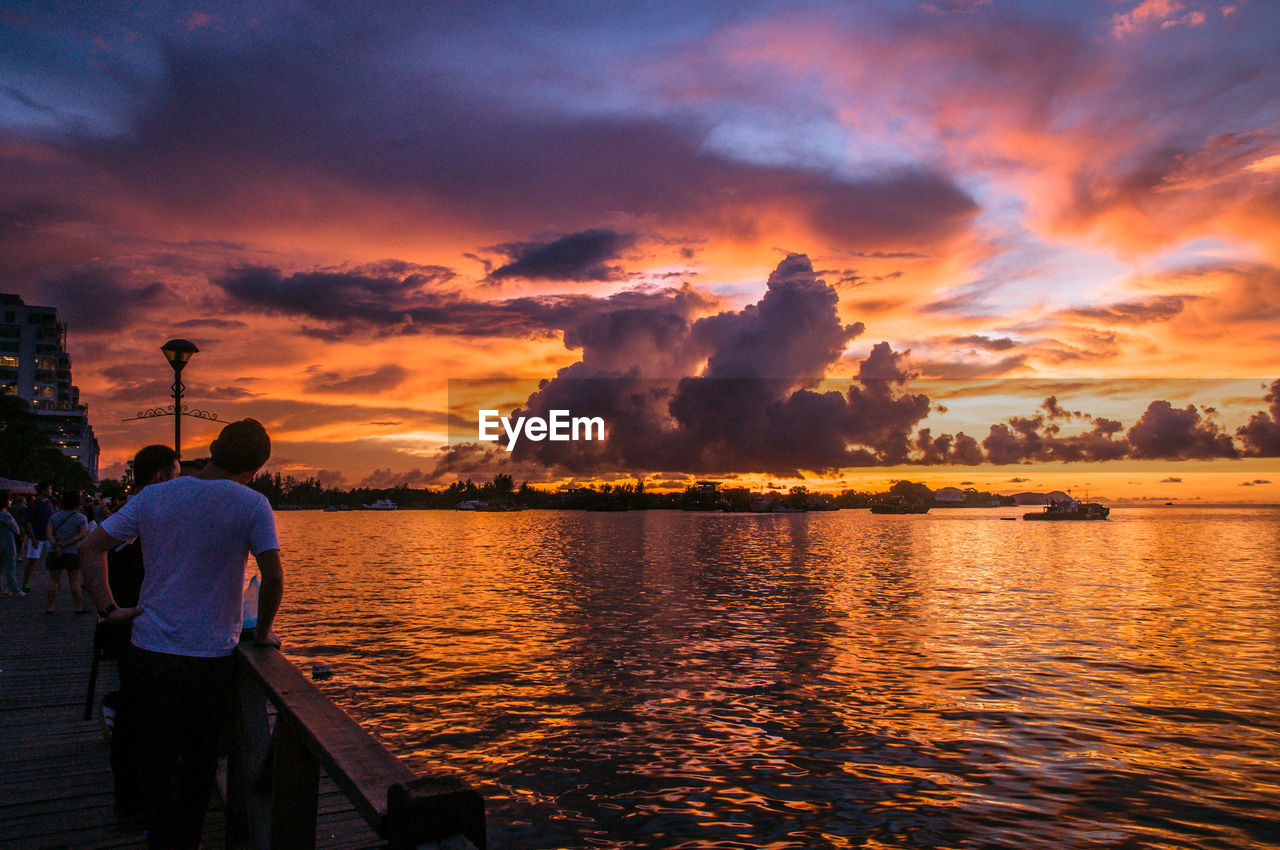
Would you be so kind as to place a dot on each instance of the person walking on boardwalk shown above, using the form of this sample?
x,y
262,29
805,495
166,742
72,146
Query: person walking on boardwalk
x,y
65,530
125,570
37,523
197,533
10,546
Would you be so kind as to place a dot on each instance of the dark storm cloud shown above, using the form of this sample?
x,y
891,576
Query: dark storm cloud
x,y
1163,432
211,142
1261,435
579,256
216,324
736,391
1030,439
1168,433
358,303
960,449
96,297
376,298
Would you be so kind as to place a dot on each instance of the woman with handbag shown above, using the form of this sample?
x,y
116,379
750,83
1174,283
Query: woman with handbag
x,y
67,528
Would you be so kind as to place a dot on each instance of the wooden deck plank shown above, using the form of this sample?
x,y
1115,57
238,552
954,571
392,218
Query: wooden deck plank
x,y
55,780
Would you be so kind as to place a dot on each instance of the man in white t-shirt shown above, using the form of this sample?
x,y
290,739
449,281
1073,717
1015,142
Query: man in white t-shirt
x,y
197,533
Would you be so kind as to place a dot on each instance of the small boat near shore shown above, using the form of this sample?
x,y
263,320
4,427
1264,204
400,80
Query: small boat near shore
x,y
381,505
487,507
1070,510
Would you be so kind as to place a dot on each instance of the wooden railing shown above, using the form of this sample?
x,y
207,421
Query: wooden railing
x,y
273,774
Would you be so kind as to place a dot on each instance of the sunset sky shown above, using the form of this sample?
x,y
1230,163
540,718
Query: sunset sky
x,y
905,215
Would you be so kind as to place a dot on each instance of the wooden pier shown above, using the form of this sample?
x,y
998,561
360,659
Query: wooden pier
x,y
328,778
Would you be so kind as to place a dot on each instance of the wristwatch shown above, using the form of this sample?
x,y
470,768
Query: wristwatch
x,y
106,612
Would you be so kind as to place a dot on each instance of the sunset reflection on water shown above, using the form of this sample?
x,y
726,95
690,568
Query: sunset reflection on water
x,y
665,679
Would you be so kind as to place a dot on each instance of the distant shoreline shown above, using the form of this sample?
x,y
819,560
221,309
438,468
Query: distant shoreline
x,y
945,508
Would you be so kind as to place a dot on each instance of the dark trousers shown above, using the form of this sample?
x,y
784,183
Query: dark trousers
x,y
181,704
125,740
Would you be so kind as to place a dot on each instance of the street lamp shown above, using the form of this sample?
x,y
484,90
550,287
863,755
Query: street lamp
x,y
178,352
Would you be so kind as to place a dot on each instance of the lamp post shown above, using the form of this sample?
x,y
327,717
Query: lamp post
x,y
178,352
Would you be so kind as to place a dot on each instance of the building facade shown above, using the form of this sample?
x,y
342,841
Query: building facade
x,y
35,366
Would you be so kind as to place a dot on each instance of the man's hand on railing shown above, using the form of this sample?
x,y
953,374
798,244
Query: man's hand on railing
x,y
268,639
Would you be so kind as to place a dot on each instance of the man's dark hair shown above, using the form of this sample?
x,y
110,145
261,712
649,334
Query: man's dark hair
x,y
44,487
70,500
241,447
150,460
5,498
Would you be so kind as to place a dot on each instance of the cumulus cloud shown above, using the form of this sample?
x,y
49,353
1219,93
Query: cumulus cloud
x,y
947,449
737,391
1261,435
1054,410
1168,433
1028,439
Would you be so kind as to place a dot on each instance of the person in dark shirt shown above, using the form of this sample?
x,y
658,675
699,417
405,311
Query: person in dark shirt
x,y
39,512
151,465
10,545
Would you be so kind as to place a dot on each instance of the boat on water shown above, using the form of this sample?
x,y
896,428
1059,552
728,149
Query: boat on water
x,y
1070,509
381,505
487,507
899,506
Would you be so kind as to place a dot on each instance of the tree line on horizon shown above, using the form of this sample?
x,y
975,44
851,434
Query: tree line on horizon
x,y
286,491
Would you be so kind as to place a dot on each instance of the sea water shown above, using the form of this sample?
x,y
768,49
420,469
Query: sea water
x,y
667,679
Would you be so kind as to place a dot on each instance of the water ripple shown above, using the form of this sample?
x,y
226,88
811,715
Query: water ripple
x,y
680,680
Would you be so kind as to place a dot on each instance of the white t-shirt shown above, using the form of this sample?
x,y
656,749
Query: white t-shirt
x,y
197,536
